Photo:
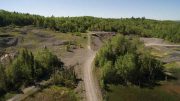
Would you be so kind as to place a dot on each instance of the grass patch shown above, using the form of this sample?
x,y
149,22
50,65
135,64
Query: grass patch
x,y
133,93
168,91
174,68
54,93
158,53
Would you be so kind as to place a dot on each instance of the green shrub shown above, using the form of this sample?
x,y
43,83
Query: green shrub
x,y
78,34
20,72
65,77
47,62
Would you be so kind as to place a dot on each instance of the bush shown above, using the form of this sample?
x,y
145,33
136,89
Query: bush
x,y
78,34
65,77
20,72
47,62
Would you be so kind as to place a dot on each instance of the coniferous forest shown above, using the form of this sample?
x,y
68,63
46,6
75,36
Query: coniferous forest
x,y
168,30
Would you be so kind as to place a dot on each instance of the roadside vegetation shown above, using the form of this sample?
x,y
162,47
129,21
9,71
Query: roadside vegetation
x,y
29,69
169,30
123,60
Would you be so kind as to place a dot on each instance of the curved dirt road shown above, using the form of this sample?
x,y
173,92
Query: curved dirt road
x,y
93,92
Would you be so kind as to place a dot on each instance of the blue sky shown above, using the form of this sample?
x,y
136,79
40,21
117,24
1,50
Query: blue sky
x,y
154,9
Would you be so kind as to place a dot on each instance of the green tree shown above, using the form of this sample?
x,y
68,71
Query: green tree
x,y
20,71
47,62
125,66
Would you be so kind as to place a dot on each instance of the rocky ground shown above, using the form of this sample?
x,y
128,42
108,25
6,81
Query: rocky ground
x,y
171,51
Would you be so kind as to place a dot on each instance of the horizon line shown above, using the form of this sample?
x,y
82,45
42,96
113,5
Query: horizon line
x,y
88,16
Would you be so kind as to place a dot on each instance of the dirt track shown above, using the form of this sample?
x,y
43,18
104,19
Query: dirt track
x,y
93,93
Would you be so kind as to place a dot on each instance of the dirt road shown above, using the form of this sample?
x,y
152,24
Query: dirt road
x,y
93,92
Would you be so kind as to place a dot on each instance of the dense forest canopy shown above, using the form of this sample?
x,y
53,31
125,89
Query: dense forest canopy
x,y
169,30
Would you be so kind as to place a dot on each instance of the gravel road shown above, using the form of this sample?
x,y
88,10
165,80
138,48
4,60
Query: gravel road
x,y
93,92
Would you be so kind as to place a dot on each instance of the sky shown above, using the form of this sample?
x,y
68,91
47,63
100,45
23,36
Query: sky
x,y
152,9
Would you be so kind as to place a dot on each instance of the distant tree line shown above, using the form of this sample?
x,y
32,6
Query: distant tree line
x,y
169,30
124,60
27,69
